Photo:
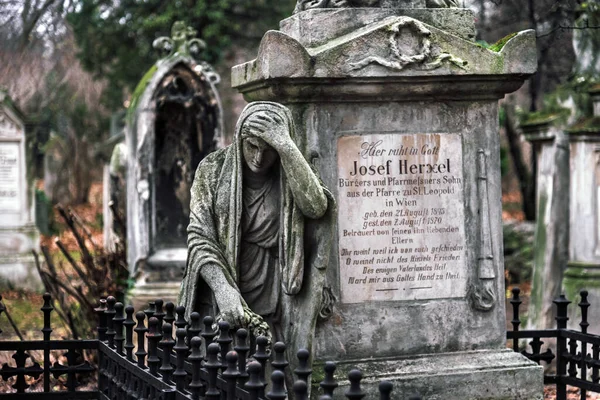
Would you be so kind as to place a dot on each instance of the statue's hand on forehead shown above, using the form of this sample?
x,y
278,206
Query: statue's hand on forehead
x,y
269,127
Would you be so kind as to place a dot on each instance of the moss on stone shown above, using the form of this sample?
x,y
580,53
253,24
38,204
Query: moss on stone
x,y
500,43
544,117
586,125
139,92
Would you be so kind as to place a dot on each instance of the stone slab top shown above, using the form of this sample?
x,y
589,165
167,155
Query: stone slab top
x,y
393,48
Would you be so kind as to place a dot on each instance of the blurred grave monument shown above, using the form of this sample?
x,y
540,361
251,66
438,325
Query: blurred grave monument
x,y
396,107
545,132
583,269
174,120
114,184
18,233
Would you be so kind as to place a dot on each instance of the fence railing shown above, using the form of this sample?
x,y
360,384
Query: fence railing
x,y
157,354
576,352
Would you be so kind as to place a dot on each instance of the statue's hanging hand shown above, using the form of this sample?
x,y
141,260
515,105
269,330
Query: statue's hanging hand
x,y
232,311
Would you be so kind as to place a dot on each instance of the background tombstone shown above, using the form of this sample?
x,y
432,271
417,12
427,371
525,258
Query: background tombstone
x,y
18,233
552,217
114,199
174,120
583,269
397,110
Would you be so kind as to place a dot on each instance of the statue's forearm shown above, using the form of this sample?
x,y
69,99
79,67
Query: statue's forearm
x,y
215,278
306,188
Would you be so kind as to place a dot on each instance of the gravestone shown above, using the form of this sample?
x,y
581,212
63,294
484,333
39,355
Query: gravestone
x,y
584,245
551,243
174,120
114,199
396,108
18,233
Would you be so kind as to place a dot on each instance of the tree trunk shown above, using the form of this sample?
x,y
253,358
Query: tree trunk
x,y
526,178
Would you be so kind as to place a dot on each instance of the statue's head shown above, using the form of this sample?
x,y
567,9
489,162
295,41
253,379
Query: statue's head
x,y
258,155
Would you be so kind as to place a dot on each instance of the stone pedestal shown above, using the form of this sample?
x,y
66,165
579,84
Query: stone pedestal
x,y
584,248
397,110
552,218
18,234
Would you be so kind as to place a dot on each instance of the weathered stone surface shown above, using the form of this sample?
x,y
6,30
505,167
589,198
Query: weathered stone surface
x,y
399,80
316,27
452,376
368,63
552,226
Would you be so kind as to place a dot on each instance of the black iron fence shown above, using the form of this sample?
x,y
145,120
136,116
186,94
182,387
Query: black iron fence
x,y
157,354
576,352
170,359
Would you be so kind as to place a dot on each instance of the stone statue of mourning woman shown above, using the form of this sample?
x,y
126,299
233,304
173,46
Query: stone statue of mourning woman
x,y
260,232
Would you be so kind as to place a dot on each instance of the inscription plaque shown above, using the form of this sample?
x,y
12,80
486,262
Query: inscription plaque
x,y
401,217
9,177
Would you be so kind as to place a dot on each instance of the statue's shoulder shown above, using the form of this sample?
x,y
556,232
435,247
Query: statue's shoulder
x,y
213,162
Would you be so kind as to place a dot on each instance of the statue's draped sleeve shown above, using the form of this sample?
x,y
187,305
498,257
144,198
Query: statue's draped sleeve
x,y
209,231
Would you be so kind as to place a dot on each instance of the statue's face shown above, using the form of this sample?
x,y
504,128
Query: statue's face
x,y
258,155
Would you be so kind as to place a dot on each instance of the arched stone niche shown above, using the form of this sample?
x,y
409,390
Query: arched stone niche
x,y
174,121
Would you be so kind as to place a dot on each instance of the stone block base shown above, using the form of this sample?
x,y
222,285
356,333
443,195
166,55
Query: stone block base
x,y
19,272
17,264
489,374
141,294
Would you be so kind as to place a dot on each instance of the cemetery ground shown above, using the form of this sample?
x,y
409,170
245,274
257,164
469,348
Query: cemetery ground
x,y
23,306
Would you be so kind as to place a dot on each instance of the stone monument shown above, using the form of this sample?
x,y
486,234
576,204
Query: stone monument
x,y
551,243
395,107
584,245
18,233
114,197
174,120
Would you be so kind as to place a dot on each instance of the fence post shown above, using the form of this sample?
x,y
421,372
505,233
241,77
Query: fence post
x,y
242,348
47,330
181,350
255,386
118,325
354,392
516,321
385,390
561,346
154,336
303,371
329,383
129,323
166,345
278,386
101,320
212,365
141,330
197,385
110,314
231,374
584,305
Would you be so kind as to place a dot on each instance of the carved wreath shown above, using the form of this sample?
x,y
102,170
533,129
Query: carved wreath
x,y
399,61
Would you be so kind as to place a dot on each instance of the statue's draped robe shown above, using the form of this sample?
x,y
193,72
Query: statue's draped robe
x,y
258,267
215,237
